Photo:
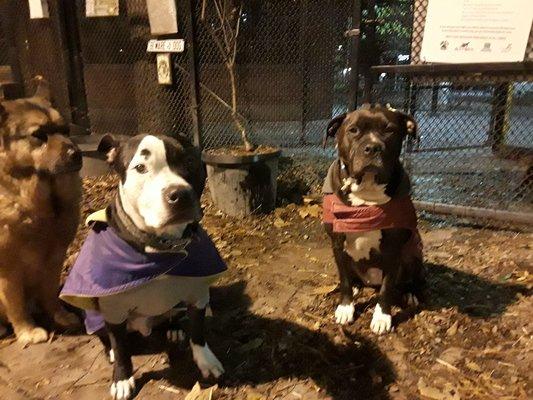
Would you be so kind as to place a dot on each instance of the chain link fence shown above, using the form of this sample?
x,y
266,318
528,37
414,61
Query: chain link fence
x,y
293,69
475,123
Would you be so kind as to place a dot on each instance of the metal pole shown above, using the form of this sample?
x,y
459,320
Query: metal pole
x,y
498,118
475,212
190,40
354,33
70,35
303,65
413,96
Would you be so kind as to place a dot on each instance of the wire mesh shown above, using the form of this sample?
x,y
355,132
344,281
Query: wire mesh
x,y
293,67
122,90
291,72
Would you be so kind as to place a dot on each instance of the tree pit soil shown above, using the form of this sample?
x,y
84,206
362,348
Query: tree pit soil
x,y
274,331
240,151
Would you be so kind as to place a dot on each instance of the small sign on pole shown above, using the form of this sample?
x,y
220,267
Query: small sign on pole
x,y
166,46
38,9
476,31
101,8
164,69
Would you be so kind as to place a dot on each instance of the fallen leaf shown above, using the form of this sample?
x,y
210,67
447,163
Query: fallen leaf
x,y
279,223
452,355
435,393
254,396
473,366
324,289
452,330
197,393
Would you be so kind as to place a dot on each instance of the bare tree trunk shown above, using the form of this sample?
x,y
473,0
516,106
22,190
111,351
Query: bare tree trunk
x,y
242,129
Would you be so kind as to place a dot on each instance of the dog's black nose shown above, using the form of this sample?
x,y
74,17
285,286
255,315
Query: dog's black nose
x,y
371,149
173,194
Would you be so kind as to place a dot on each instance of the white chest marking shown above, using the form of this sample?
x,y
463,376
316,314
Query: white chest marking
x,y
359,245
368,192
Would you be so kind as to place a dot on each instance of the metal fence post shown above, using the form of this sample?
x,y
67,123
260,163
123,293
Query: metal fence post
x,y
499,118
190,40
354,33
303,60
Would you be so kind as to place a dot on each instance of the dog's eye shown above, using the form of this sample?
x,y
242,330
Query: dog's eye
x,y
354,130
141,168
39,134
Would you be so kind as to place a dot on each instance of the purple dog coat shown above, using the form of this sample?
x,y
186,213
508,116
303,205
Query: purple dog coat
x,y
108,265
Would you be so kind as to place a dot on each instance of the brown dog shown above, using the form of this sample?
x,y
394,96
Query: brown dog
x,y
40,193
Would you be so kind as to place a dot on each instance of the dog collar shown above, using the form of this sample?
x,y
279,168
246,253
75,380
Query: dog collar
x,y
143,240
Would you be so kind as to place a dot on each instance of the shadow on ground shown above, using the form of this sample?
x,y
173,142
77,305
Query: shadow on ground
x,y
471,294
258,350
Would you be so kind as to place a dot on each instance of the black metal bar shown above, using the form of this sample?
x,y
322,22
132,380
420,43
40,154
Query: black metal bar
x,y
456,69
475,212
371,56
354,56
8,15
449,148
434,97
68,23
413,97
498,115
369,84
303,64
190,41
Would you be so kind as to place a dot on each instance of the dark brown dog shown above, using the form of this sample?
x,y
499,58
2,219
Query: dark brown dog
x,y
368,173
40,193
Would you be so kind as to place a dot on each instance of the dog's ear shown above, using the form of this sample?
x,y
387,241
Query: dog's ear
x,y
109,146
333,127
42,90
411,127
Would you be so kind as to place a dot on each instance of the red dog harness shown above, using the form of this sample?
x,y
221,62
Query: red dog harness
x,y
397,213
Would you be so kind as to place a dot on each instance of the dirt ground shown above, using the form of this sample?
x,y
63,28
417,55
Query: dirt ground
x,y
273,328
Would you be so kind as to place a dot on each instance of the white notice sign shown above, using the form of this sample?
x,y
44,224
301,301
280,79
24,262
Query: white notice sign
x,y
38,9
473,31
165,46
101,8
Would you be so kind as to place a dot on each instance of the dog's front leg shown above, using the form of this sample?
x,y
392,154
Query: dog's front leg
x,y
13,300
389,292
123,386
344,313
204,358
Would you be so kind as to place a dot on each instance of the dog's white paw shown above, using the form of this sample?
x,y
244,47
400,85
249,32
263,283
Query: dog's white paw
x,y
411,300
206,361
344,313
381,322
123,390
32,336
175,335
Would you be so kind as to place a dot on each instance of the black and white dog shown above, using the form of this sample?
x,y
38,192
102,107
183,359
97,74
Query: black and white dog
x,y
368,213
147,253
